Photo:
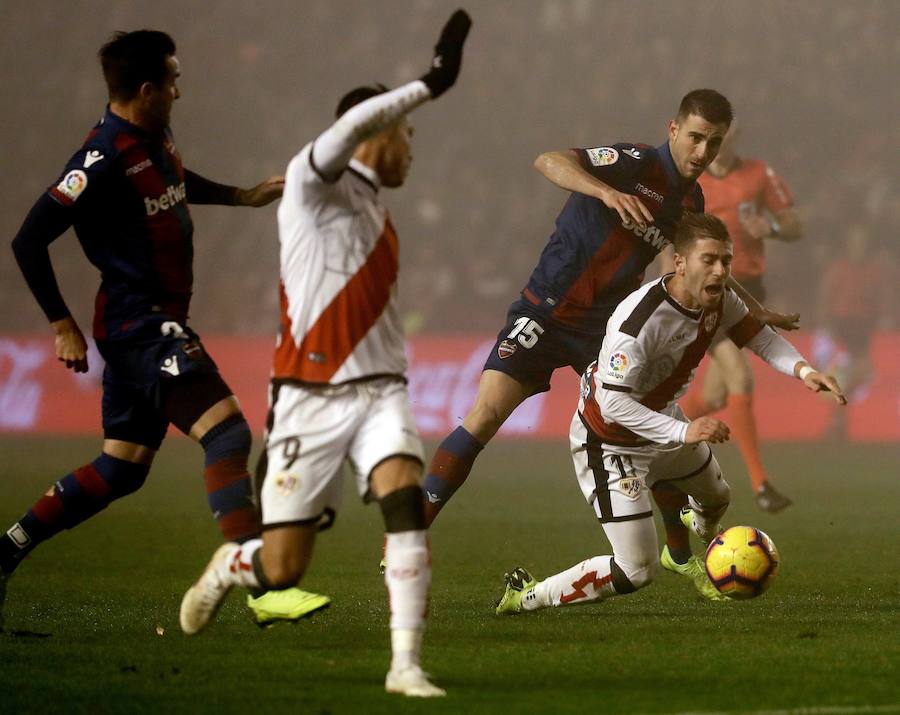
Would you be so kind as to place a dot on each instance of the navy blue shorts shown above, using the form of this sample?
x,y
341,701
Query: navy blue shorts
x,y
530,347
139,371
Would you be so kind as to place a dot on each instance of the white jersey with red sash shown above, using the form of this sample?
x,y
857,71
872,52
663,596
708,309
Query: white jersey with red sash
x,y
652,348
339,317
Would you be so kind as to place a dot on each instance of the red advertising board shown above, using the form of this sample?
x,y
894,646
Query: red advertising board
x,y
38,395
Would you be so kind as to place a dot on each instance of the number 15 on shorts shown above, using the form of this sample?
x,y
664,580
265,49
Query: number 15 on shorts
x,y
526,331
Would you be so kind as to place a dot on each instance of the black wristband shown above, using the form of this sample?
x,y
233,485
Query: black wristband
x,y
448,54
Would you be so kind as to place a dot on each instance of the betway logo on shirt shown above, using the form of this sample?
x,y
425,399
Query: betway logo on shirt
x,y
173,195
651,234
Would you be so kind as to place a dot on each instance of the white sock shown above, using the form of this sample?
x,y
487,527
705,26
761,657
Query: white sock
x,y
585,582
240,565
407,575
705,522
406,644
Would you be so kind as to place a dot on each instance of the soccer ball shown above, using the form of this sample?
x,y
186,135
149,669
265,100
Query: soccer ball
x,y
742,562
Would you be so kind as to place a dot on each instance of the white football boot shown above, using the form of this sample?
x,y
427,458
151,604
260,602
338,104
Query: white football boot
x,y
413,682
202,600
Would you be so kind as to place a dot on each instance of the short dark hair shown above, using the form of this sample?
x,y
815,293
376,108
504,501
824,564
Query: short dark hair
x,y
360,94
694,226
713,106
131,58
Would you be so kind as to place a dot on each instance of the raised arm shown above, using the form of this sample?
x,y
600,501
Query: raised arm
x,y
333,149
46,222
564,169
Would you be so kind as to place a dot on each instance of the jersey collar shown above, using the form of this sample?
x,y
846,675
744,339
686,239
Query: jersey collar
x,y
366,173
112,119
675,179
692,314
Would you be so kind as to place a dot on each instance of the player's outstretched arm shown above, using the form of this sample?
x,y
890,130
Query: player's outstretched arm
x,y
333,149
201,190
262,194
819,381
564,169
783,356
785,321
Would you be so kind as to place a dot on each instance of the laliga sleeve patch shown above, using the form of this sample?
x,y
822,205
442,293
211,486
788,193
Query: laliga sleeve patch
x,y
617,367
72,184
603,156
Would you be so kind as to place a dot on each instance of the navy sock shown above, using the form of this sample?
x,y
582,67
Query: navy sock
x,y
70,501
449,468
229,489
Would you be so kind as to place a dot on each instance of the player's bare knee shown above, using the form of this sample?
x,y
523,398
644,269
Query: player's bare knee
x,y
484,419
741,383
716,399
403,509
396,472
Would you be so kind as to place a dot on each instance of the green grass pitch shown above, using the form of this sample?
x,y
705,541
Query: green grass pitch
x,y
92,616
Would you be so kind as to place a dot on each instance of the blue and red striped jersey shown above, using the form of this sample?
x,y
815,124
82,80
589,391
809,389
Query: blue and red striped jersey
x,y
126,192
593,260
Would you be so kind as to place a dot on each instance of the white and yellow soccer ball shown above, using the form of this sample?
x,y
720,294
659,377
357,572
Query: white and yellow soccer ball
x,y
742,562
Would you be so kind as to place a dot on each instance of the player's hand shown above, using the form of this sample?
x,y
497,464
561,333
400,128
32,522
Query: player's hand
x,y
448,54
820,382
71,347
707,429
630,208
261,194
785,321
756,225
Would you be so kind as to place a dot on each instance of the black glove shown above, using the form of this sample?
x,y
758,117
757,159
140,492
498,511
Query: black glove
x,y
448,54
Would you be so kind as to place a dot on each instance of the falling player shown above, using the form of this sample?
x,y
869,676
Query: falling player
x,y
338,391
629,433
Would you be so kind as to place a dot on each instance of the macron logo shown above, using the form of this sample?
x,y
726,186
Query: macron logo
x,y
173,195
92,157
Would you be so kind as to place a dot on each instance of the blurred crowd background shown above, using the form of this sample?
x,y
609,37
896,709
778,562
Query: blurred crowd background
x,y
814,83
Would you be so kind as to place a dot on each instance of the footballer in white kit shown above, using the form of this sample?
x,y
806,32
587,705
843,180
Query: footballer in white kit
x,y
338,390
628,432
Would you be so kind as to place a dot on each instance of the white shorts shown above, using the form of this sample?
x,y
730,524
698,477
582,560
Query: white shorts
x,y
616,481
316,430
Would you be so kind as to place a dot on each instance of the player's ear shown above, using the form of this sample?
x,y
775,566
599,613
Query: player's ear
x,y
679,264
146,90
673,129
